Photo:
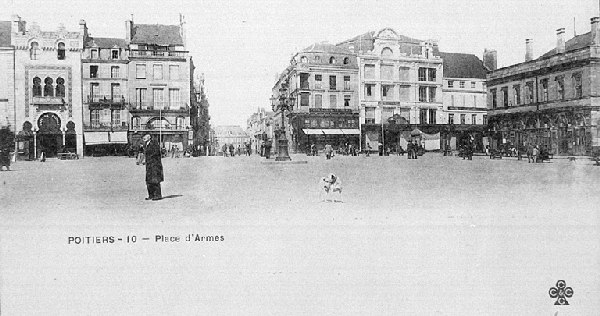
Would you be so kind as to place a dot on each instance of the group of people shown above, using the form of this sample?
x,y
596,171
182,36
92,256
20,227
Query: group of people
x,y
229,150
413,149
537,154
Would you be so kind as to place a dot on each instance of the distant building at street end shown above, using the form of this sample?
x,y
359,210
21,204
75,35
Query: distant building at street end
x,y
47,89
552,101
464,100
323,81
230,135
260,128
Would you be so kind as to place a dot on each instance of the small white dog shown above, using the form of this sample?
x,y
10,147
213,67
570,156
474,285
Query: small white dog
x,y
331,185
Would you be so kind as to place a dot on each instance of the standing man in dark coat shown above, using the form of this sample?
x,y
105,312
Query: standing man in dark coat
x,y
154,168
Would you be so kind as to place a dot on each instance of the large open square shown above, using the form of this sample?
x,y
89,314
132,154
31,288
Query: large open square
x,y
432,236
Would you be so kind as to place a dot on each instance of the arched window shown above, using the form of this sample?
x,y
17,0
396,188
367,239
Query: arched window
x,y
303,59
346,60
387,52
332,60
37,87
61,51
33,50
48,89
60,87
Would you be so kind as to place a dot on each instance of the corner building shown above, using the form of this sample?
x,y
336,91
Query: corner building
x,y
551,101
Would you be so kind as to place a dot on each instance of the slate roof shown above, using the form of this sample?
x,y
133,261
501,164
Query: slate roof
x,y
156,34
324,47
5,28
457,65
366,41
575,43
106,42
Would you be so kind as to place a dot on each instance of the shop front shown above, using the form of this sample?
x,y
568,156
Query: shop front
x,y
319,127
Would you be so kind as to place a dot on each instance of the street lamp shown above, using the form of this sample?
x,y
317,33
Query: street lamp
x,y
284,102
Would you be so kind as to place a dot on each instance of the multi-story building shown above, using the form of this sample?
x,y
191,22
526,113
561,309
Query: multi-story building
x,y
47,89
105,100
323,82
260,128
227,135
7,72
464,100
400,88
199,117
551,101
160,72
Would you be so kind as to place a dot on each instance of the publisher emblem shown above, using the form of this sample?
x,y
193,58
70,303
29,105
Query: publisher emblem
x,y
561,292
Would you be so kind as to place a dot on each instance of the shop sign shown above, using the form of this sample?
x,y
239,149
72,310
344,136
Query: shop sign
x,y
330,110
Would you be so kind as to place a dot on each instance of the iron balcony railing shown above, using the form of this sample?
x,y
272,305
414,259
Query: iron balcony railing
x,y
157,53
122,126
106,98
157,105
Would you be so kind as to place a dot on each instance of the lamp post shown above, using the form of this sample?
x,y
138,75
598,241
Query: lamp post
x,y
283,102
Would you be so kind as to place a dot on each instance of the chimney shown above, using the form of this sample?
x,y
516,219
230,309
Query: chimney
x,y
528,49
84,29
128,31
595,34
560,40
490,59
18,26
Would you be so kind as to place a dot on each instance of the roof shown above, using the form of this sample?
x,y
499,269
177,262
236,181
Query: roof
x,y
365,42
157,34
5,29
224,130
457,65
325,47
575,43
106,42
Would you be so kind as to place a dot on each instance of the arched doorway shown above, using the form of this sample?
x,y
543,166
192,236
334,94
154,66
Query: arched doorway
x,y
71,138
49,136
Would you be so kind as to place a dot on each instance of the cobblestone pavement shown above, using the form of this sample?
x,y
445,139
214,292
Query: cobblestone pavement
x,y
432,236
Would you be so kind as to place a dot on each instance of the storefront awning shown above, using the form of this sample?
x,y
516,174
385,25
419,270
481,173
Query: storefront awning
x,y
118,138
98,138
350,131
312,131
333,131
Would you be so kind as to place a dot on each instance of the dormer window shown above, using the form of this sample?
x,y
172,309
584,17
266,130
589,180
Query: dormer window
x,y
94,54
317,59
303,59
33,50
61,51
114,54
332,60
346,61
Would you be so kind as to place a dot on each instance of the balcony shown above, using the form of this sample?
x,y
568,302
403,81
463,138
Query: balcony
x,y
99,127
106,101
165,128
47,100
167,107
144,53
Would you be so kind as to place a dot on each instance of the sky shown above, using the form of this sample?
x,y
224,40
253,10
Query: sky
x,y
241,45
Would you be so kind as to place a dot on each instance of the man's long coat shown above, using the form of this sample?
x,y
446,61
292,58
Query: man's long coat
x,y
154,168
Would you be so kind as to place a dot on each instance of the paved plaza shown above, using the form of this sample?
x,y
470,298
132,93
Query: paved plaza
x,y
432,236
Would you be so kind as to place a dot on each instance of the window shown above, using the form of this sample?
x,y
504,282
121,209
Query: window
x,y
314,123
369,71
463,119
432,91
422,74
427,74
37,87
494,98
387,72
473,118
387,91
387,53
114,54
318,81
485,119
332,101
516,95
60,87
560,87
369,89
423,116
94,91
174,72
577,86
61,51
115,92
140,97
431,74
473,85
114,72
158,98
432,116
346,60
404,73
304,99
48,89
461,84
136,122
93,71
346,82
332,60
346,100
140,71
529,92
544,86
33,50
318,101
303,59
332,83
318,59
504,91
370,115
115,118
450,118
304,81
450,84
175,99
422,94
95,118
427,94
94,54
157,71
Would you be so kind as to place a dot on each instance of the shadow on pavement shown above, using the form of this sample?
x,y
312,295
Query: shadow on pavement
x,y
171,196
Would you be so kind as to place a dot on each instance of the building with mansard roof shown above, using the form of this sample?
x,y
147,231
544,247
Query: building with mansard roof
x,y
552,101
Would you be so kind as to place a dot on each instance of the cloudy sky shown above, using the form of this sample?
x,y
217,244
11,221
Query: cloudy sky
x,y
241,45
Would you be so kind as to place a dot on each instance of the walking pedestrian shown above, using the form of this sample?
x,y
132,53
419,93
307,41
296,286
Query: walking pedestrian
x,y
369,148
529,153
4,159
328,151
154,168
535,153
231,150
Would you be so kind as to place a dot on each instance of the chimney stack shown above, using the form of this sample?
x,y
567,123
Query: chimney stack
x,y
84,29
595,32
560,40
528,49
490,59
128,30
